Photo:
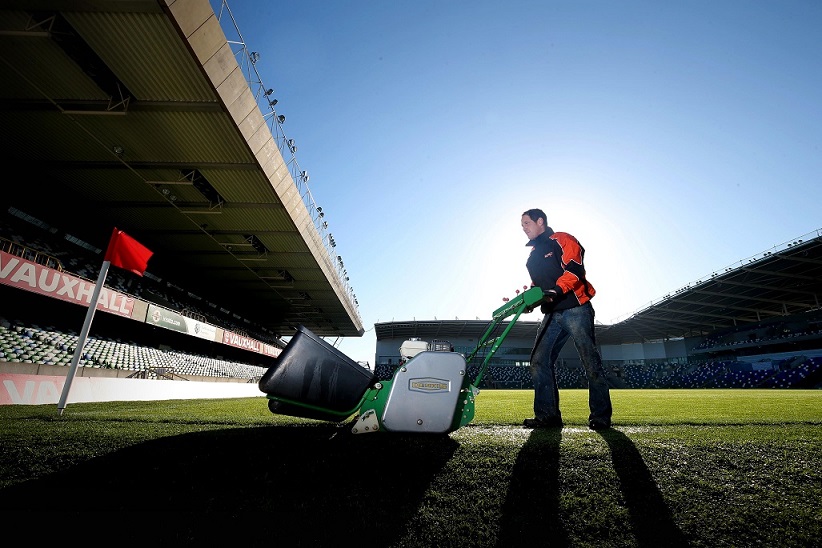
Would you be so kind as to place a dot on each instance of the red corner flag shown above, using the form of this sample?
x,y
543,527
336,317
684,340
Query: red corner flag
x,y
127,253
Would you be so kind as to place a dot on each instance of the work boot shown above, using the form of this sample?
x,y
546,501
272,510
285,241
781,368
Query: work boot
x,y
599,424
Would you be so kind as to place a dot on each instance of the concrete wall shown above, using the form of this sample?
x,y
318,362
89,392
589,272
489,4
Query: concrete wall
x,y
35,384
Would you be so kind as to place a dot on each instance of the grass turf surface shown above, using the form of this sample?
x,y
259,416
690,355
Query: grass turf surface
x,y
679,468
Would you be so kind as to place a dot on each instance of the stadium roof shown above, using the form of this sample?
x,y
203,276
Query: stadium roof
x,y
143,115
783,281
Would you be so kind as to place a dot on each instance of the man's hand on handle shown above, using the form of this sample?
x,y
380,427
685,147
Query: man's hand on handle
x,y
548,296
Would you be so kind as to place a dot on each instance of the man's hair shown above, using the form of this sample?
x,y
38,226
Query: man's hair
x,y
535,214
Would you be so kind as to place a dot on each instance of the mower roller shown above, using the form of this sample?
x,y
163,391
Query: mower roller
x,y
429,391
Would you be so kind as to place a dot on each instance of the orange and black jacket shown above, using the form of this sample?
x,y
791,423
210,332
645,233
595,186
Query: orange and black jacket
x,y
556,262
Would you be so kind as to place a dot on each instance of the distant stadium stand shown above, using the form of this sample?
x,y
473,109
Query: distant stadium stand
x,y
797,372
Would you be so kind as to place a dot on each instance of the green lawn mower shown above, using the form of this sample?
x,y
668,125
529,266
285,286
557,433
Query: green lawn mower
x,y
429,391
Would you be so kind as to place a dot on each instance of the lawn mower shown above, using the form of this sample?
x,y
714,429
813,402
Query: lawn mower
x,y
429,391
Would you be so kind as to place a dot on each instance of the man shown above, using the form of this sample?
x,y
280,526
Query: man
x,y
556,265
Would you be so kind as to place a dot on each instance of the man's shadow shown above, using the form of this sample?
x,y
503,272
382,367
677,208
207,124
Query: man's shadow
x,y
651,519
532,511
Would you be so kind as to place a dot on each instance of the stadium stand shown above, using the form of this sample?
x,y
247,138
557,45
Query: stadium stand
x,y
49,246
796,372
36,329
49,346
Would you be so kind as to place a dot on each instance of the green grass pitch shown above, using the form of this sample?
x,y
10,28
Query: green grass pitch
x,y
700,468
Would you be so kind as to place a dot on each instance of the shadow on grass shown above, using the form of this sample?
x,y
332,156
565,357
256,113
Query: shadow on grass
x,y
651,520
307,485
531,512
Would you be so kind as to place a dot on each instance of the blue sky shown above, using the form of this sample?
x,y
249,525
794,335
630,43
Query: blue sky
x,y
672,138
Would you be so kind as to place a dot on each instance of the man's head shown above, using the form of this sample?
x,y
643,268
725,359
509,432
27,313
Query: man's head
x,y
534,222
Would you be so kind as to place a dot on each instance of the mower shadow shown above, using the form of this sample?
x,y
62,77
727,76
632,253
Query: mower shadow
x,y
305,485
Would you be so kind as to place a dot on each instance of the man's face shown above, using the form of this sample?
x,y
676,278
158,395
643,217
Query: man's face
x,y
532,229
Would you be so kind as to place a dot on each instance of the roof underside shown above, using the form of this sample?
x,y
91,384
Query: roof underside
x,y
140,116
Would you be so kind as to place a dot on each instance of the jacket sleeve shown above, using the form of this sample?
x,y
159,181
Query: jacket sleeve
x,y
573,278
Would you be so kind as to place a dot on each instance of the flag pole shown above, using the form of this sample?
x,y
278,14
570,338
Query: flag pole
x,y
81,340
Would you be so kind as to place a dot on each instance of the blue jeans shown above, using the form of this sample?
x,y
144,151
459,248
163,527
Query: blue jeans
x,y
554,331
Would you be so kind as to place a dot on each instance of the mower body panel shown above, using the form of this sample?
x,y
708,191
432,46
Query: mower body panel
x,y
424,393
